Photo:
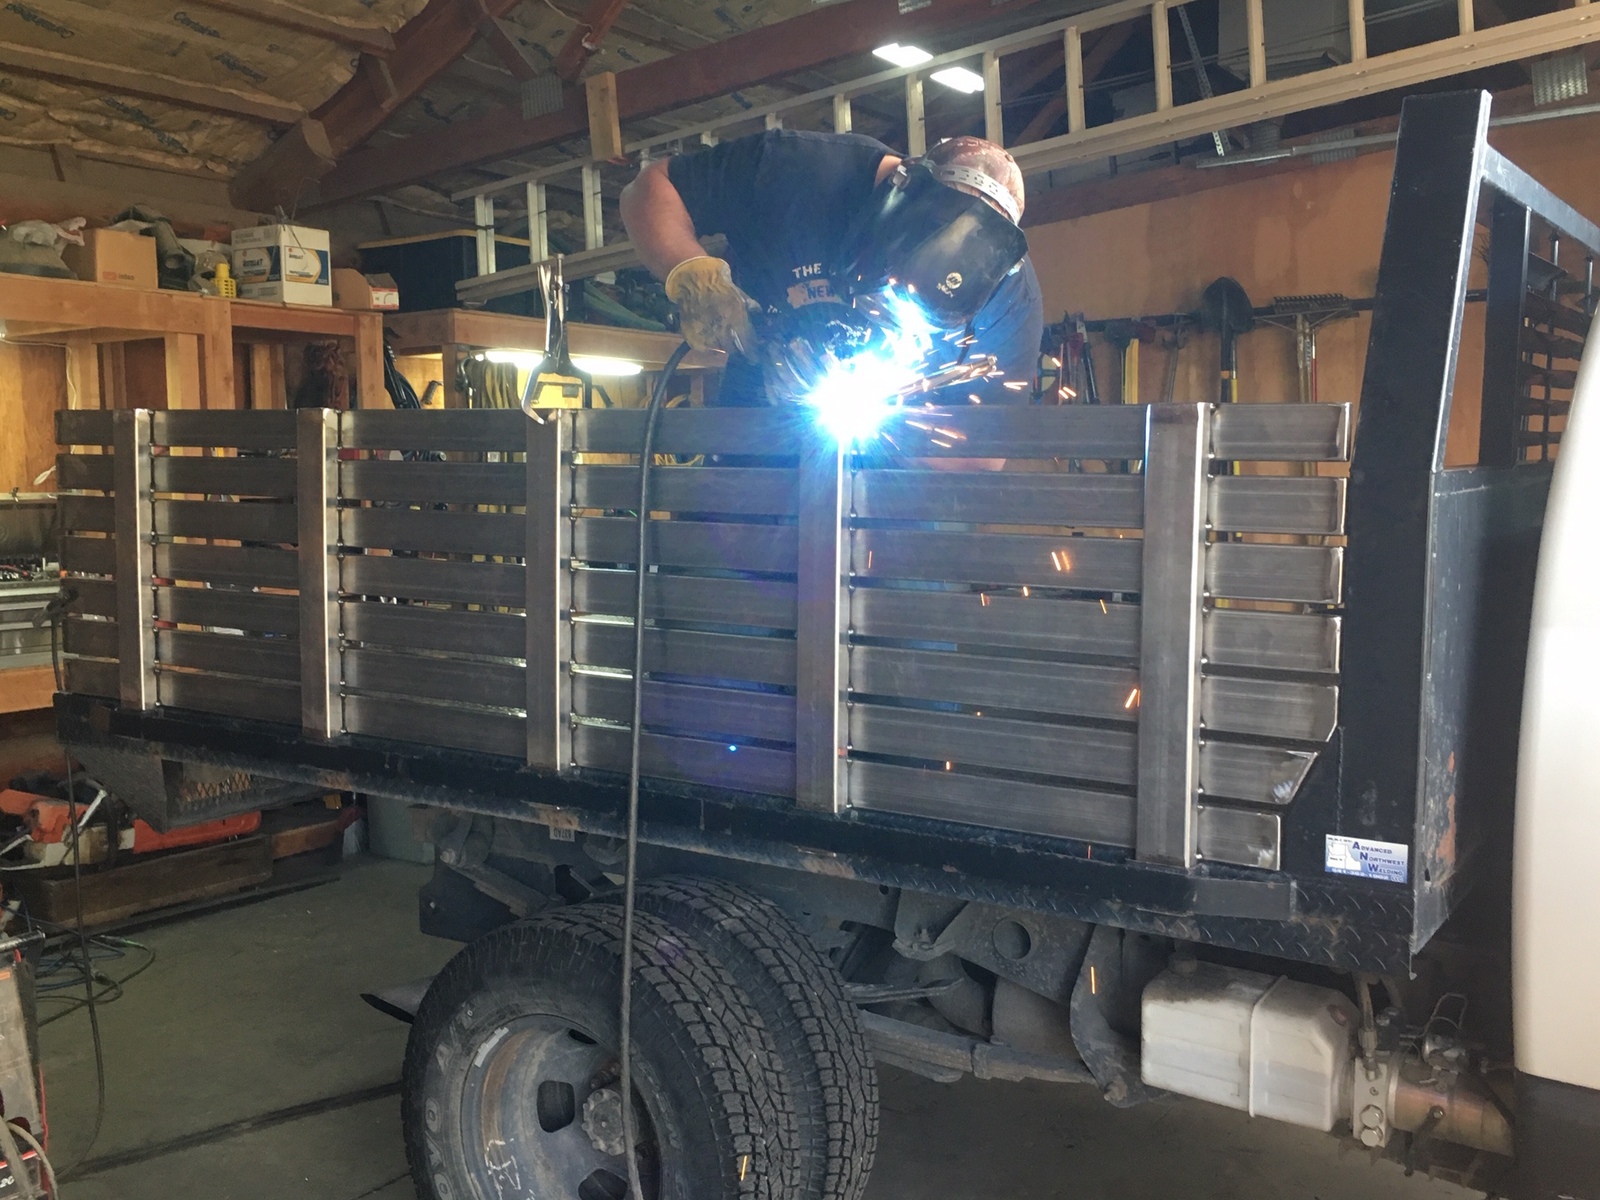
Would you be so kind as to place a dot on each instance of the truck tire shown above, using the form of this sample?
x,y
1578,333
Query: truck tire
x,y
802,1000
509,1086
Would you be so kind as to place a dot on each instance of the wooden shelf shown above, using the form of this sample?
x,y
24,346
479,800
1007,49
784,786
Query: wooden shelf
x,y
446,329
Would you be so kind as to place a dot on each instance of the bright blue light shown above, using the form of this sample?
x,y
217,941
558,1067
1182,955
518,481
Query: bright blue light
x,y
732,749
856,395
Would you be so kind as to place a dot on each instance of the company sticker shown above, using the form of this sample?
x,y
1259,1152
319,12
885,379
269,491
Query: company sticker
x,y
1387,861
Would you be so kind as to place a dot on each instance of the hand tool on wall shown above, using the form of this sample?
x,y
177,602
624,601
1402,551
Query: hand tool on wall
x,y
1225,311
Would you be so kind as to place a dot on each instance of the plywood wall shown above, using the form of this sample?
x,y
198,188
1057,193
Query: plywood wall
x,y
33,385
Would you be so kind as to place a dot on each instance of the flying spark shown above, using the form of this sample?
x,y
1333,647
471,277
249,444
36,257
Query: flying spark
x,y
1024,590
1133,698
1067,393
1104,609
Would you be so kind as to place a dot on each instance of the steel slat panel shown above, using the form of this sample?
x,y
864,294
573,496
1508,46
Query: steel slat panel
x,y
96,639
265,521
755,603
1070,689
1089,564
1105,817
1281,641
491,634
1081,431
260,429
89,678
1259,774
253,699
772,431
688,653
433,579
735,490
1277,504
95,514
83,427
691,760
1240,836
89,556
436,724
244,566
703,544
1001,497
1270,707
1104,755
429,530
686,708
1256,571
1281,432
221,608
83,472
458,681
462,430
233,654
95,596
973,618
223,476
434,482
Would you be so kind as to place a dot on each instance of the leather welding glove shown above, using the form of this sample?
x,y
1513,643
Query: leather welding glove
x,y
713,313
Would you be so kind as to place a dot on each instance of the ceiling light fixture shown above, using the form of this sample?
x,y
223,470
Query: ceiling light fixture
x,y
903,56
960,79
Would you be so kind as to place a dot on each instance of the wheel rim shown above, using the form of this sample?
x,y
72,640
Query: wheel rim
x,y
541,1116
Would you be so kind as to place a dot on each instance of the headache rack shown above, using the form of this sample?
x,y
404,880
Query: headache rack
x,y
1139,676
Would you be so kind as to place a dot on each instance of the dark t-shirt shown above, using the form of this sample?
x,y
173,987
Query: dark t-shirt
x,y
784,199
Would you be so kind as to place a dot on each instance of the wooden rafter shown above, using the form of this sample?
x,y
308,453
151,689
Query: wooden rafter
x,y
370,39
586,36
1107,43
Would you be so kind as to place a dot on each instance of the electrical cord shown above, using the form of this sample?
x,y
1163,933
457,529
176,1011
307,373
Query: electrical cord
x,y
19,1171
631,869
44,1159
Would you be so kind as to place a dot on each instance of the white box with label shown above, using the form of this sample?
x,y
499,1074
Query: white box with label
x,y
283,262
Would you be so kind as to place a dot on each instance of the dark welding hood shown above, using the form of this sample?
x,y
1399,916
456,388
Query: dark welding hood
x,y
948,249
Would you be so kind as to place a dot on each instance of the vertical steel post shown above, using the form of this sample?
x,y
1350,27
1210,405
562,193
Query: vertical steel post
x,y
1500,420
1177,445
317,510
594,229
819,725
133,518
548,637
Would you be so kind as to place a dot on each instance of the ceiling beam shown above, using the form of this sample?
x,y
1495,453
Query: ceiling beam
x,y
586,37
744,60
203,97
502,38
1107,43
370,39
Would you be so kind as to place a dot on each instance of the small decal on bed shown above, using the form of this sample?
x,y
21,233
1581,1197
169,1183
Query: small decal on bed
x,y
1369,859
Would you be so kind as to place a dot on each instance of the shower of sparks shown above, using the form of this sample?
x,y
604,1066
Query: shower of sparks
x,y
1061,560
1133,699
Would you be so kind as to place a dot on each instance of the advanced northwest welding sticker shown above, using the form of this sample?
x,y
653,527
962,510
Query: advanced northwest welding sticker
x,y
1388,861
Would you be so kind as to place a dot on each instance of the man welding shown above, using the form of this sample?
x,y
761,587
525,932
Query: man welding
x,y
816,221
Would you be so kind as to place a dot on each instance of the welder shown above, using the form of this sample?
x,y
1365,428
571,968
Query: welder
x,y
814,221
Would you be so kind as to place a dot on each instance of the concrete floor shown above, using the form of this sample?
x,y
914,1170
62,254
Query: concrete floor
x,y
256,1009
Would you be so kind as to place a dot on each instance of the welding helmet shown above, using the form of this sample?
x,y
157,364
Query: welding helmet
x,y
947,248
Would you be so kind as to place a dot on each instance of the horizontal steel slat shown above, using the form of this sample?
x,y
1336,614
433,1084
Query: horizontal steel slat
x,y
437,724
238,520
415,627
233,654
1001,497
429,530
686,652
756,603
491,685
1259,774
1269,707
95,596
1070,689
768,491
1090,564
89,556
695,430
1105,755
691,760
83,472
433,579
1237,637
223,476
1277,504
1240,836
686,708
84,427
242,566
225,609
94,639
1255,571
1081,431
463,430
703,544
87,677
258,429
1104,817
972,618
254,699
1281,432
94,514
434,482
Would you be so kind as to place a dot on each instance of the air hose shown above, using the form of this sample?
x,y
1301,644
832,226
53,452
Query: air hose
x,y
631,869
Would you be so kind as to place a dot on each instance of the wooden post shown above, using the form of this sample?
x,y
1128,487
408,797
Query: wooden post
x,y
1358,30
183,370
916,123
842,117
217,352
370,392
267,389
605,122
994,122
1074,47
1161,33
1464,16
1256,33
114,374
83,373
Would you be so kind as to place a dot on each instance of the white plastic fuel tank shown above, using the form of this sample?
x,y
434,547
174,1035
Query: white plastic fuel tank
x,y
1270,1046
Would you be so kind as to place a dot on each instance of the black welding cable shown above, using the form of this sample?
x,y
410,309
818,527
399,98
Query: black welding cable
x,y
631,870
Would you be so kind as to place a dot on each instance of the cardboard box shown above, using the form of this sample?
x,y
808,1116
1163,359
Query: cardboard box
x,y
352,289
283,262
114,257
